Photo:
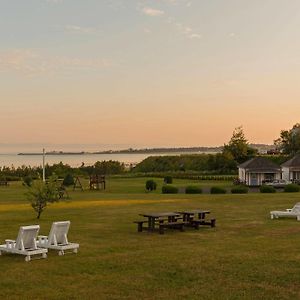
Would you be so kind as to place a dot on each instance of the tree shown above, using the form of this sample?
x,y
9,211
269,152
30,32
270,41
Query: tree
x,y
40,194
238,146
289,140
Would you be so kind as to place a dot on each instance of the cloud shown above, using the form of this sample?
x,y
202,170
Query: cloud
x,y
185,30
182,29
147,31
195,36
80,29
187,3
152,12
29,62
54,1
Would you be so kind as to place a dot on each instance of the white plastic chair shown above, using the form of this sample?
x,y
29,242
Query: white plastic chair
x,y
290,212
25,244
58,238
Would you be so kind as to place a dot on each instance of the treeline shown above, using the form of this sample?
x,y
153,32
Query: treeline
x,y
196,166
61,170
210,163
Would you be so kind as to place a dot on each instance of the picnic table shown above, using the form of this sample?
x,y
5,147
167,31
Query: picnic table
x,y
161,220
190,214
190,220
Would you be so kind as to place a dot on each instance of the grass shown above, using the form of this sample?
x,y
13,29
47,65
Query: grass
x,y
247,256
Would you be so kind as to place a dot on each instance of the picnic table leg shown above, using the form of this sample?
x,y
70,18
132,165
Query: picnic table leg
x,y
149,223
201,215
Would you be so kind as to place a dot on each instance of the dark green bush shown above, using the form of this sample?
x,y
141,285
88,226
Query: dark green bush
x,y
150,185
27,181
267,189
239,190
192,189
68,180
169,189
292,188
13,178
217,190
168,180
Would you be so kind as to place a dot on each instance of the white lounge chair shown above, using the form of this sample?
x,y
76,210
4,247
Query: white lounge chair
x,y
25,244
292,212
58,238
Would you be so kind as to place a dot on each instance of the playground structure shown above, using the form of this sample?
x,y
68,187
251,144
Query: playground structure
x,y
97,182
77,184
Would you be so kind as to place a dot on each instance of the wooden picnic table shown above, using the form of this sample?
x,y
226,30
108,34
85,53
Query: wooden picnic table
x,y
4,182
154,217
189,215
190,220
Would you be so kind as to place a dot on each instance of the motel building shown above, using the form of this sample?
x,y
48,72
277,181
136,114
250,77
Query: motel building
x,y
291,169
258,169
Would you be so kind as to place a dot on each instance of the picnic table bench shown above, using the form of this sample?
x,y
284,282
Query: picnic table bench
x,y
4,183
160,221
190,218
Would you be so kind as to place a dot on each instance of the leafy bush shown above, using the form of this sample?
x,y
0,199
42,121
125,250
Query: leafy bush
x,y
217,190
267,189
192,189
40,194
68,180
292,188
150,185
239,190
27,180
168,180
169,189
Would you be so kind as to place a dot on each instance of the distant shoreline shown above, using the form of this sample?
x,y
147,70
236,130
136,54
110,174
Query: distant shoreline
x,y
135,151
179,150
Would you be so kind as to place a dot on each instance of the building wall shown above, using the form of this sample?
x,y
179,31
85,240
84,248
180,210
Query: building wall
x,y
241,174
285,173
255,179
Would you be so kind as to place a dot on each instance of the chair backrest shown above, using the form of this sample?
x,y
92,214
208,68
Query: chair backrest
x,y
59,233
27,237
296,207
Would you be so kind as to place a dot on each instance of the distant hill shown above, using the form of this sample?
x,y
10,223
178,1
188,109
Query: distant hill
x,y
262,148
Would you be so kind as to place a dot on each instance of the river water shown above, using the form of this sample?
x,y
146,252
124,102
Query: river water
x,y
75,160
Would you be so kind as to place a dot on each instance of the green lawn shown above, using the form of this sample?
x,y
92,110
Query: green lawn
x,y
247,256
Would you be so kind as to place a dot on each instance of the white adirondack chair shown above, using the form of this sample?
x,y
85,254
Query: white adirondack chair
x,y
291,212
25,244
58,238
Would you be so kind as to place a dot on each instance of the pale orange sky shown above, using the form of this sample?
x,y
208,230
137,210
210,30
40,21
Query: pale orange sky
x,y
148,73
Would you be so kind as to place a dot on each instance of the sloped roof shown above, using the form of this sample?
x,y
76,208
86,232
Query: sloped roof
x,y
259,164
294,162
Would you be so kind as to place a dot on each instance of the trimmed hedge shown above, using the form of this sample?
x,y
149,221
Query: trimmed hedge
x,y
169,189
192,189
292,188
27,181
267,189
240,190
217,190
68,180
168,179
150,185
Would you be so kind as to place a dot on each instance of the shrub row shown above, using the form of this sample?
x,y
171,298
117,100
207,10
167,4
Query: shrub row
x,y
290,188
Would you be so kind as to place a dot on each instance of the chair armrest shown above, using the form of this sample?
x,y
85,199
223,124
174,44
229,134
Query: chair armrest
x,y
42,238
10,243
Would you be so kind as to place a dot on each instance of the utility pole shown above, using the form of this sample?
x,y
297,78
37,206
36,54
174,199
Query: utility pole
x,y
44,179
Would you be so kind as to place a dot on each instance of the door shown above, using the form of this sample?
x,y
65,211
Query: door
x,y
253,179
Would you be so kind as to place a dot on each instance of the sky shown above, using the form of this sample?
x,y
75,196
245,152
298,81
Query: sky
x,y
147,73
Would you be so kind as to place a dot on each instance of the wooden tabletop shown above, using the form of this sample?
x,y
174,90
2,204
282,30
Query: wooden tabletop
x,y
160,215
193,212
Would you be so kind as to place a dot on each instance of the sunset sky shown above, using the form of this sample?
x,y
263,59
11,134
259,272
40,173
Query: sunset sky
x,y
148,73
